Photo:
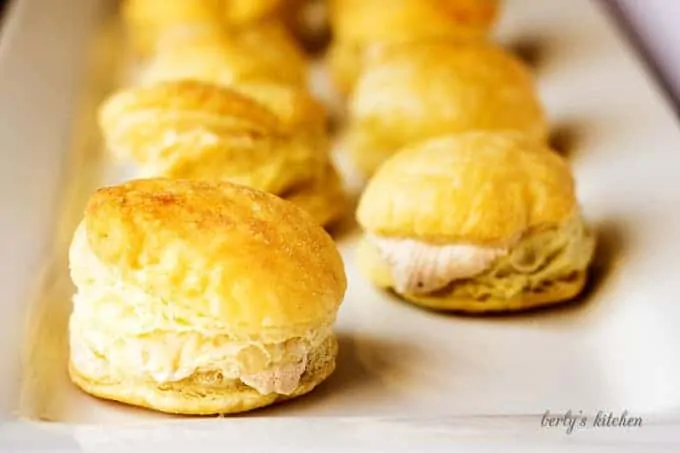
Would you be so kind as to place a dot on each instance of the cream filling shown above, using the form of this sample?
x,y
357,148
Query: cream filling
x,y
174,356
420,268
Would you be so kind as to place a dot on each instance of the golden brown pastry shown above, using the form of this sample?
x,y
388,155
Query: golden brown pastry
x,y
413,92
263,52
475,222
194,130
360,24
190,299
148,21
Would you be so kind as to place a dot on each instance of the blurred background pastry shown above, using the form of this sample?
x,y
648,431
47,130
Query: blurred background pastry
x,y
148,21
359,25
194,130
307,20
263,52
475,222
262,63
190,299
411,92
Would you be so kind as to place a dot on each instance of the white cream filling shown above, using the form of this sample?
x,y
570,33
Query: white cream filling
x,y
419,268
268,368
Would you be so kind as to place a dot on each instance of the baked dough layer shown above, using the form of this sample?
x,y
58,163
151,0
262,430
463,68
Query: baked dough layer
x,y
413,92
215,257
205,393
477,188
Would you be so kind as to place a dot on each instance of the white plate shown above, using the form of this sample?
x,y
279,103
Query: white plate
x,y
406,378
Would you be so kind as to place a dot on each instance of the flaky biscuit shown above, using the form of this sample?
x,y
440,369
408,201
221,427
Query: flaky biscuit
x,y
195,130
477,222
197,297
360,24
414,92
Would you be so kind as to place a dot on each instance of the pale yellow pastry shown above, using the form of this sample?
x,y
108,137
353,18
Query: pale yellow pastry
x,y
191,300
263,52
413,92
148,21
475,222
360,24
193,130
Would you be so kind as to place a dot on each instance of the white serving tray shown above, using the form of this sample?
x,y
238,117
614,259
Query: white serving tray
x,y
407,379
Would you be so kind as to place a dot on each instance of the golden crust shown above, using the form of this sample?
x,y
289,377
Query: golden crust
x,y
192,397
325,199
478,188
242,258
414,92
360,24
189,129
263,52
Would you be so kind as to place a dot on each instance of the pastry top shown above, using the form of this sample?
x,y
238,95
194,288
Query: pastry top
x,y
262,52
368,21
414,91
475,188
220,255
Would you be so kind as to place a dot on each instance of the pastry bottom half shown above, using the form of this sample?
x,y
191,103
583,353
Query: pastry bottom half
x,y
205,393
551,292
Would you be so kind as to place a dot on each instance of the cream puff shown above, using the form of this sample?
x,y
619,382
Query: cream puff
x,y
413,92
475,222
195,130
359,25
191,300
